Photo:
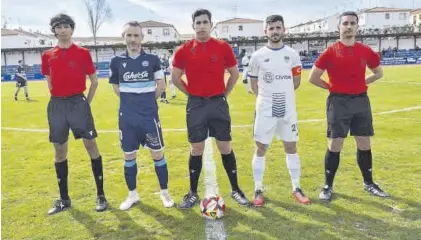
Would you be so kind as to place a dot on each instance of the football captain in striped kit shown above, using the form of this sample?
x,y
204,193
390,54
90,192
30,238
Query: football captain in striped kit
x,y
275,74
137,78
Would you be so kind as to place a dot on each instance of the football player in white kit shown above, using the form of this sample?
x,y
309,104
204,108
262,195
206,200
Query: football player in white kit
x,y
275,73
245,62
172,87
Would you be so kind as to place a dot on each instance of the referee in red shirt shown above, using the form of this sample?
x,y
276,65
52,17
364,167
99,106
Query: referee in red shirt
x,y
204,60
65,67
348,106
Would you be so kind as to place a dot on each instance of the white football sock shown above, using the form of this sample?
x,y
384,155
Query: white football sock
x,y
258,165
294,167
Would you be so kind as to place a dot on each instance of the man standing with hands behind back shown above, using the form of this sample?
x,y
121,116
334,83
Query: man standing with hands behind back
x,y
204,60
348,106
65,67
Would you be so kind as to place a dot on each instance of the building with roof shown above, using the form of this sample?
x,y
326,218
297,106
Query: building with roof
x,y
18,38
238,27
384,18
159,32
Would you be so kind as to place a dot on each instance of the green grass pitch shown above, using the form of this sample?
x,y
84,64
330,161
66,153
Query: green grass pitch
x,y
29,183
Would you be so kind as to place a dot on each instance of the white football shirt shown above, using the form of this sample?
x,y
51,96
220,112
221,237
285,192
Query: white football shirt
x,y
274,70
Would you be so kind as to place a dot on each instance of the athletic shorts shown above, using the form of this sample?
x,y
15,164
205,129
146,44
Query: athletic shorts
x,y
348,113
267,127
73,113
208,115
136,131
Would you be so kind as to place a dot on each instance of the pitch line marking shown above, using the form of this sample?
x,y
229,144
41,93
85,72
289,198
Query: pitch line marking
x,y
40,130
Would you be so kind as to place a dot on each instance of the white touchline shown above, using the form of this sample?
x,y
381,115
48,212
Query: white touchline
x,y
213,229
40,130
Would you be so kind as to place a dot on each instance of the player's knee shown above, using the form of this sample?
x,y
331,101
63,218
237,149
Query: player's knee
x,y
157,155
335,144
363,143
224,147
261,149
91,148
130,156
197,149
290,148
60,152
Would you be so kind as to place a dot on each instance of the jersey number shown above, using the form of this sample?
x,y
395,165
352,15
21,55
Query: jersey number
x,y
294,127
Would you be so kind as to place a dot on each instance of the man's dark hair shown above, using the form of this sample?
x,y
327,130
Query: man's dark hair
x,y
61,18
348,13
132,24
200,12
275,18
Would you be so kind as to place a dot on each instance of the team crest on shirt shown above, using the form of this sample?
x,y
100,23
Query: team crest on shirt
x,y
214,58
268,77
145,63
363,62
286,59
71,64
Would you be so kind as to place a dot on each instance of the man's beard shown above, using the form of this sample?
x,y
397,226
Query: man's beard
x,y
275,39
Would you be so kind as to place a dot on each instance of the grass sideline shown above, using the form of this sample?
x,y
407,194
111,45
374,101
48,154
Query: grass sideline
x,y
29,184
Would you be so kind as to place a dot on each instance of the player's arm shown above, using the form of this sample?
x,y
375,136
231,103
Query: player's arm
x,y
49,82
374,64
159,77
232,68
178,65
113,79
91,72
45,69
296,71
318,69
253,73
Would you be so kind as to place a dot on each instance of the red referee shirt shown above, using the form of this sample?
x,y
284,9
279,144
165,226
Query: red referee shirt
x,y
67,69
204,64
346,66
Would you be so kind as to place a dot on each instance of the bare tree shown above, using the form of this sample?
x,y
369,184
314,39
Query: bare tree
x,y
98,13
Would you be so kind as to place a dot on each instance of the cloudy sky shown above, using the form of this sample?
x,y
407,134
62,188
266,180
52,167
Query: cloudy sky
x,y
35,14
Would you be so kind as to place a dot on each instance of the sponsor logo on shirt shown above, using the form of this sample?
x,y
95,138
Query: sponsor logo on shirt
x,y
131,76
269,77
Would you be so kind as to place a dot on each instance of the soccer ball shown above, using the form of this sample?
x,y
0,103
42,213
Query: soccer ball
x,y
212,207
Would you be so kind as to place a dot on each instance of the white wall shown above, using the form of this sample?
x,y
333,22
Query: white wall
x,y
12,58
406,43
378,20
157,34
373,43
300,46
417,19
23,41
229,30
32,58
105,55
386,43
418,42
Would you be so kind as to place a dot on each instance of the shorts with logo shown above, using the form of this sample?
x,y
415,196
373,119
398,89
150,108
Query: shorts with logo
x,y
348,112
138,131
21,83
208,115
73,113
283,128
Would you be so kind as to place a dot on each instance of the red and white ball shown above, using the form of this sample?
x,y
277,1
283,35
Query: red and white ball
x,y
212,207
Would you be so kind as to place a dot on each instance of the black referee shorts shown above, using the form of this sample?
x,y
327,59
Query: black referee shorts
x,y
208,115
349,112
73,113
